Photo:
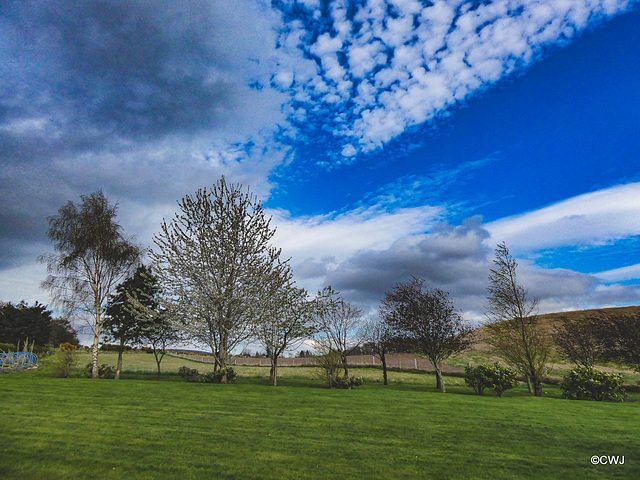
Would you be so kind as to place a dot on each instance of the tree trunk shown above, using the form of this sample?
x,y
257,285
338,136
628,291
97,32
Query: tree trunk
x,y
96,341
119,365
158,360
529,385
273,374
383,358
439,382
94,359
344,364
537,387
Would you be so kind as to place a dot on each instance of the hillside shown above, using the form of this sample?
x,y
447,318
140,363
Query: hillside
x,y
550,320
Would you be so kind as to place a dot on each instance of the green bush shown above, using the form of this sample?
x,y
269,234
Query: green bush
x,y
494,376
64,361
476,378
346,382
192,375
583,383
104,371
189,374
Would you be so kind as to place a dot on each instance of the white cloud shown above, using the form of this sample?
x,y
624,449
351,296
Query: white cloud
x,y
410,64
595,218
631,272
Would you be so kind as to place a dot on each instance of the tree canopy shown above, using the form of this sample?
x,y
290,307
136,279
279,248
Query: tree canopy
x,y
91,257
427,322
213,260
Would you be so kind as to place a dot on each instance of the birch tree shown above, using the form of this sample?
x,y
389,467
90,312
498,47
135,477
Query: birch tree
x,y
212,260
513,329
91,257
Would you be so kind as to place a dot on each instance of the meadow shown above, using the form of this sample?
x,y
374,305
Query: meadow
x,y
140,427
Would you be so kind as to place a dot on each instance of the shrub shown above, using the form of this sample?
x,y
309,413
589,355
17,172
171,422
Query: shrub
x,y
329,367
582,383
189,374
192,375
494,376
346,382
104,371
476,378
64,361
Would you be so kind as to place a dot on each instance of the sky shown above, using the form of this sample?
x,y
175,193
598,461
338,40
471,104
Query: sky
x,y
387,139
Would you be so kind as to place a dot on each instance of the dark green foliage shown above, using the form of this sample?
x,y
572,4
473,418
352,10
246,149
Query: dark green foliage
x,y
121,322
494,376
104,371
192,375
217,376
62,332
19,322
476,378
583,383
346,382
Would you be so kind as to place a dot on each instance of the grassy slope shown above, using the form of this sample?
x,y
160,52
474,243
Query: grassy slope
x,y
481,352
143,428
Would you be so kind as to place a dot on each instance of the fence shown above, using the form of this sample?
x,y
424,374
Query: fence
x,y
17,360
404,361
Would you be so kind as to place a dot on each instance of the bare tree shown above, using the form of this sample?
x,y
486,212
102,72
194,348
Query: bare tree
x,y
582,341
91,257
427,321
623,339
513,329
379,337
285,320
338,323
212,261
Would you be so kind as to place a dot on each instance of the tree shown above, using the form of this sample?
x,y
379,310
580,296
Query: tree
x,y
378,337
91,257
581,341
19,322
286,318
62,332
121,324
212,261
427,321
338,323
160,334
622,333
513,329
149,323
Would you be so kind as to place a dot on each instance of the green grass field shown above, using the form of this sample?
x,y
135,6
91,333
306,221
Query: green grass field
x,y
139,427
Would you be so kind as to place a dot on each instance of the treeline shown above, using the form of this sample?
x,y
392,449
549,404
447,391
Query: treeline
x,y
215,280
34,324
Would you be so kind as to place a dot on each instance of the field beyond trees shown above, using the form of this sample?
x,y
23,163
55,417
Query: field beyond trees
x,y
139,427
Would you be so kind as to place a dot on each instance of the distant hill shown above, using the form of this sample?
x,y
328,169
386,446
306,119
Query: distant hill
x,y
550,320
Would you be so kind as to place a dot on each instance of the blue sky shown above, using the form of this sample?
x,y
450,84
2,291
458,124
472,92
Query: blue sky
x,y
386,138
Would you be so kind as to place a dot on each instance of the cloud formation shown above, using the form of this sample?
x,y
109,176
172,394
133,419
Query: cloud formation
x,y
363,261
147,100
381,67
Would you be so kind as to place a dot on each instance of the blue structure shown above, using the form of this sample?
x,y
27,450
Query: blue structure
x,y
17,360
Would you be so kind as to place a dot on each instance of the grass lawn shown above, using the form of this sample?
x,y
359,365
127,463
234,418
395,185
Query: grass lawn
x,y
140,427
